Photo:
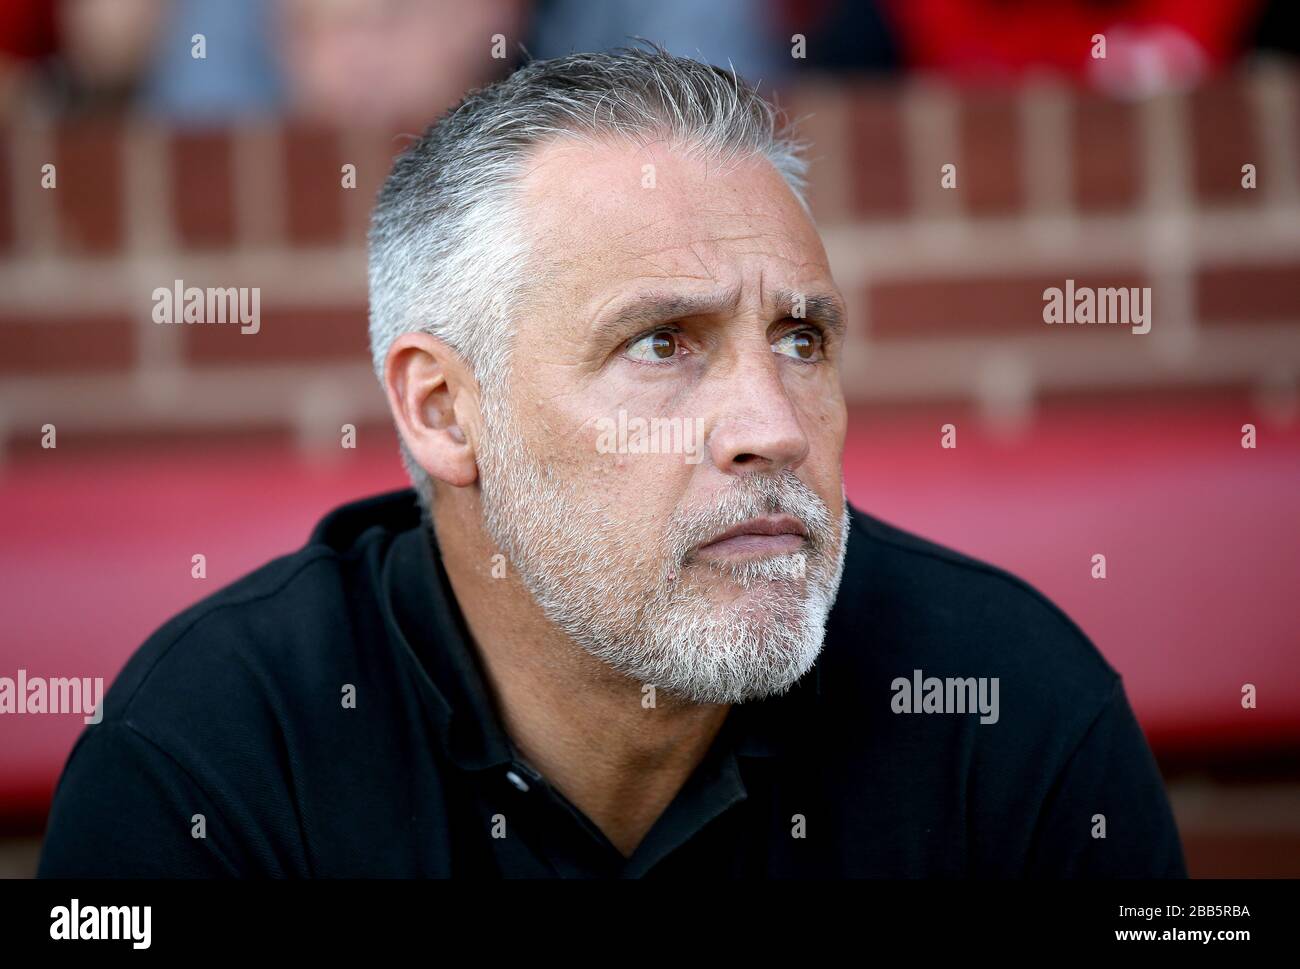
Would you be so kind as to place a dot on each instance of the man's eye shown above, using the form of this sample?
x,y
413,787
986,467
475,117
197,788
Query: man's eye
x,y
800,344
659,345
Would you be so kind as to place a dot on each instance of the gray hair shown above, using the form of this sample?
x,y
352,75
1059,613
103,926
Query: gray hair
x,y
447,247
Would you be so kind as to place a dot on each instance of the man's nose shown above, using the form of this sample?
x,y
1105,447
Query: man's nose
x,y
755,426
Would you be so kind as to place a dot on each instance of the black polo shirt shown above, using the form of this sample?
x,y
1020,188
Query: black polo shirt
x,y
328,716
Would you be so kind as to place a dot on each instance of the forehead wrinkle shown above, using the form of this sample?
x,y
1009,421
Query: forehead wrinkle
x,y
740,238
769,244
662,270
656,256
643,227
703,265
748,223
730,212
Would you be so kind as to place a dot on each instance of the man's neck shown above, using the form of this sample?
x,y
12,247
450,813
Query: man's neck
x,y
618,753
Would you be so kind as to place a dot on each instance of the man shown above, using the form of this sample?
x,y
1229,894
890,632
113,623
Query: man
x,y
626,623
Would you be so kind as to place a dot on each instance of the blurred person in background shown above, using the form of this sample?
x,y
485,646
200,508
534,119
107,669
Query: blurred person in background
x,y
739,33
381,62
348,62
1151,45
76,56
754,36
362,61
239,74
27,36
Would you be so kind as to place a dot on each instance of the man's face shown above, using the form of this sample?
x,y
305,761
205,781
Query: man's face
x,y
663,463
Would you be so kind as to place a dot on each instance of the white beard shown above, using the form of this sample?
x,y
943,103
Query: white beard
x,y
635,608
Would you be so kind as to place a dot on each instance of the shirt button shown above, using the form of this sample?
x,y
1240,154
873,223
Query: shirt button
x,y
516,780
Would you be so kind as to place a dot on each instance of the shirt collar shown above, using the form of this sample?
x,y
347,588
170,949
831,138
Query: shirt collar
x,y
429,627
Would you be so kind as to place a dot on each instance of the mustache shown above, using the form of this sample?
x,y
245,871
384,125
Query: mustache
x,y
751,496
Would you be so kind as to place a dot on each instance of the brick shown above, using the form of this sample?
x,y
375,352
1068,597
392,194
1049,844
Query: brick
x,y
878,150
90,187
381,150
1224,139
1249,294
313,160
7,189
1106,153
203,198
990,169
374,153
38,345
954,306
287,334
821,115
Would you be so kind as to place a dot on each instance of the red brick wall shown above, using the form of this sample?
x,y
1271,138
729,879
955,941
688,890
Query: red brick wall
x,y
945,285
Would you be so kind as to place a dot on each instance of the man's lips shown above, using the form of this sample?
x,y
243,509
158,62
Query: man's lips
x,y
765,535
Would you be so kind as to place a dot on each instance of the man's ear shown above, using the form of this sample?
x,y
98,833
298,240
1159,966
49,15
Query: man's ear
x,y
434,399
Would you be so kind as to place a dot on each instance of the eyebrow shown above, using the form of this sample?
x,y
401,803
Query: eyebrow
x,y
822,307
648,309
